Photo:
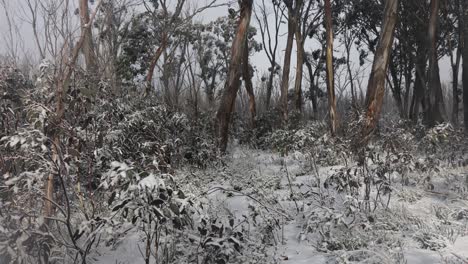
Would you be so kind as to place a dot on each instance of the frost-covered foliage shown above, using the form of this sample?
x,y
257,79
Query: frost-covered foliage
x,y
154,135
151,202
97,132
311,138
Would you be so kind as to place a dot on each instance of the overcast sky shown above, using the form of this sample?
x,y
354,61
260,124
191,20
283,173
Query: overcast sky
x,y
259,59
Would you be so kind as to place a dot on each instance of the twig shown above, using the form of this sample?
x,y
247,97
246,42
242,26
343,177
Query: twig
x,y
290,187
460,258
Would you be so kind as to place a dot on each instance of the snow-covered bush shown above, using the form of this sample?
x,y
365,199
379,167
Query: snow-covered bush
x,y
151,202
312,138
219,241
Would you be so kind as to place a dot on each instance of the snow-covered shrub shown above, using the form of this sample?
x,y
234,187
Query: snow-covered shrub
x,y
29,234
97,128
334,230
430,240
313,139
438,134
147,132
152,203
219,241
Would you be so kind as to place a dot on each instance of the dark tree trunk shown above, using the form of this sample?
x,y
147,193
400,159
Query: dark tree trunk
x,y
330,74
269,88
376,86
348,43
396,89
434,99
465,64
312,88
233,77
210,85
408,81
455,71
419,83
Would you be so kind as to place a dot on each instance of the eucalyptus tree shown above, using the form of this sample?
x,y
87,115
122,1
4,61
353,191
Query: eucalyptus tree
x,y
330,72
213,43
293,8
308,22
88,50
453,16
435,112
228,99
376,85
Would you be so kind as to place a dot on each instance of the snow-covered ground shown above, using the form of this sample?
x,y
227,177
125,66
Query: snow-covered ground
x,y
419,226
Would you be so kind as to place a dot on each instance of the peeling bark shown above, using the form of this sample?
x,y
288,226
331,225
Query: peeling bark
x,y
376,85
287,64
330,74
228,99
88,44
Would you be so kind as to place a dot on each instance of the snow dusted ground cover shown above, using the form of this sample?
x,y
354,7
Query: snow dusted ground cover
x,y
287,216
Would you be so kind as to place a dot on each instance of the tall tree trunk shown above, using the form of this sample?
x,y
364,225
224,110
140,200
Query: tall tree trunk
x,y
434,99
269,88
233,77
376,86
299,69
455,71
62,81
408,81
287,64
247,76
396,89
330,74
350,73
210,86
88,45
312,88
419,82
465,64
154,62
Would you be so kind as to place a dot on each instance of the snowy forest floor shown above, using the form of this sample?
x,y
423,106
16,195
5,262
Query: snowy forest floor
x,y
289,217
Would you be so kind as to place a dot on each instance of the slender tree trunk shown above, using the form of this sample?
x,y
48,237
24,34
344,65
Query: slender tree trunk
x,y
62,81
351,79
299,70
408,81
88,45
455,71
269,88
312,89
396,89
376,86
434,99
233,77
247,76
287,64
419,83
154,62
330,75
465,63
